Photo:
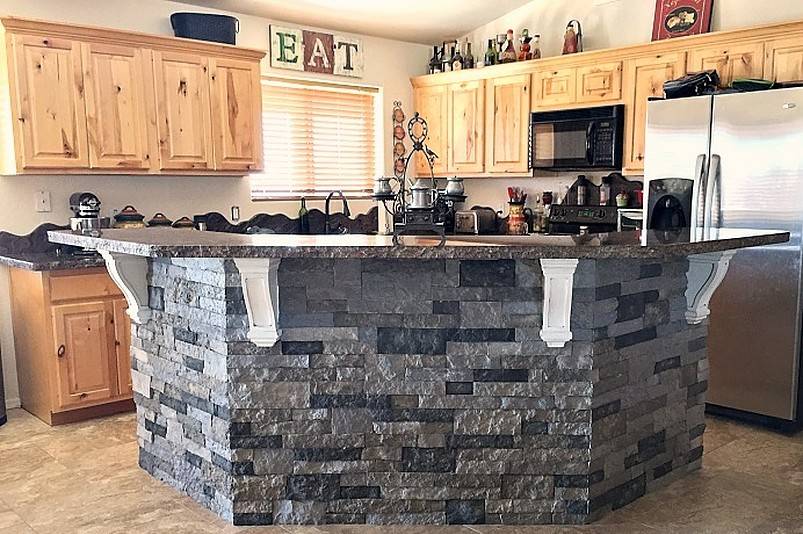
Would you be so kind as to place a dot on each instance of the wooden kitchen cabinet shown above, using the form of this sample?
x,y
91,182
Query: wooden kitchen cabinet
x,y
507,123
183,111
236,114
466,133
731,61
431,104
50,115
554,87
644,78
117,106
72,341
784,60
86,100
599,83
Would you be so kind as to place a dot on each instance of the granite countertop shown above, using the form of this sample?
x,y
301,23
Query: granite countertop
x,y
159,242
49,261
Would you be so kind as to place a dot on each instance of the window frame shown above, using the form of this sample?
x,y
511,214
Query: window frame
x,y
377,94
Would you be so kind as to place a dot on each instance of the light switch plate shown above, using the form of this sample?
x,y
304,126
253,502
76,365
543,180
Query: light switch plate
x,y
42,202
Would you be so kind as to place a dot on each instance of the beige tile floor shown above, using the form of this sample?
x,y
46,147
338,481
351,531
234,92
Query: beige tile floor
x,y
84,478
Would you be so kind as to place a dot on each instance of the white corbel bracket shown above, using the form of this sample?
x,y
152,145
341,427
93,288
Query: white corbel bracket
x,y
130,273
260,281
558,288
705,274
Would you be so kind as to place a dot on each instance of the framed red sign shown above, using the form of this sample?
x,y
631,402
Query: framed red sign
x,y
678,18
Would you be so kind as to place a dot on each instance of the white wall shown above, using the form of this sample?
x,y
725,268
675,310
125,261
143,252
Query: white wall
x,y
606,24
388,64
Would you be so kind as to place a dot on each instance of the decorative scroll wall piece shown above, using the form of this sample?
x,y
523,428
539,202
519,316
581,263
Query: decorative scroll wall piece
x,y
705,274
558,289
260,281
320,52
399,135
130,273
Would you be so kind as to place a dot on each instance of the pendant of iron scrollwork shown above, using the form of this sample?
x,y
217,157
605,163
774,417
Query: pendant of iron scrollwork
x,y
418,208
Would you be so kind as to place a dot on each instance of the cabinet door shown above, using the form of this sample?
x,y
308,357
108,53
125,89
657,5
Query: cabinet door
x,y
507,112
236,115
183,111
122,346
599,83
49,103
744,60
784,61
86,370
116,108
644,78
466,137
430,103
554,87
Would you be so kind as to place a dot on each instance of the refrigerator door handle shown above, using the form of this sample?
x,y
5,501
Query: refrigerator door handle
x,y
712,192
701,179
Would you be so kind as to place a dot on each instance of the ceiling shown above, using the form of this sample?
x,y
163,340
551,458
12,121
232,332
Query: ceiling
x,y
417,21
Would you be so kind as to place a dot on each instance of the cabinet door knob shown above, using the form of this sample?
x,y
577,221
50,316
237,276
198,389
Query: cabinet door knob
x,y
61,351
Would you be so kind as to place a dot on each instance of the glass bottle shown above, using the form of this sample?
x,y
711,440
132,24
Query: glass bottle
x,y
303,217
500,48
446,60
605,192
490,54
457,59
468,57
509,54
435,62
582,190
535,47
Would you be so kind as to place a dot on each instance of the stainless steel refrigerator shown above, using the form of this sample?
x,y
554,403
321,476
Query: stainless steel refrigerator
x,y
748,148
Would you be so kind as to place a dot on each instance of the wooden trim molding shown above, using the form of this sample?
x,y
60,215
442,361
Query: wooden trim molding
x,y
120,37
705,274
558,289
130,273
260,282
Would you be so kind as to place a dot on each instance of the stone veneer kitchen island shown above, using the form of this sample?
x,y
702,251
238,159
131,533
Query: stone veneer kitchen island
x,y
341,379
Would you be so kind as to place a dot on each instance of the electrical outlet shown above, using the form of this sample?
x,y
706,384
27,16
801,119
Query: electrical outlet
x,y
42,201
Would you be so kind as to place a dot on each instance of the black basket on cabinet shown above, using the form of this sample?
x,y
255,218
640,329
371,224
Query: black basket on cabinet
x,y
206,27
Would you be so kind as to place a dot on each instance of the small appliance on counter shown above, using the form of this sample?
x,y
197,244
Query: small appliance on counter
x,y
574,220
86,217
476,221
129,218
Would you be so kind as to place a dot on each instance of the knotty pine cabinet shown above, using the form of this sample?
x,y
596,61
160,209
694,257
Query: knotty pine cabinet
x,y
92,100
644,78
466,133
730,60
72,341
431,104
784,60
507,124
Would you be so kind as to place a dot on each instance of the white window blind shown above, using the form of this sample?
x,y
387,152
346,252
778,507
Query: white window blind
x,y
317,138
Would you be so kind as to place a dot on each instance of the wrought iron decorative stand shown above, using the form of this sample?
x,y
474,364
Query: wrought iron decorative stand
x,y
419,208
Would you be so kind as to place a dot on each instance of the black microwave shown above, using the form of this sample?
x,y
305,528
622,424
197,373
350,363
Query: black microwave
x,y
578,139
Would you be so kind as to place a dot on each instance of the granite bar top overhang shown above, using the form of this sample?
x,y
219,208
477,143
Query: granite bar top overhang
x,y
159,242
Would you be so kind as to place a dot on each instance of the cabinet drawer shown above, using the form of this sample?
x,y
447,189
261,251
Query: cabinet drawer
x,y
82,286
599,83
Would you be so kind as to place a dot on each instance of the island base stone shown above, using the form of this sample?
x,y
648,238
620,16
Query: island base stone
x,y
419,391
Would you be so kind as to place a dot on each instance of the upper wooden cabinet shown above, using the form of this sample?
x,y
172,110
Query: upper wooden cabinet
x,y
183,111
554,87
236,114
507,123
784,62
466,134
431,104
644,79
116,106
82,99
731,61
49,111
599,83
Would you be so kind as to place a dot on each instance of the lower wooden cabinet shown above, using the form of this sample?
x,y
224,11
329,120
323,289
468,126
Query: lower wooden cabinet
x,y
72,340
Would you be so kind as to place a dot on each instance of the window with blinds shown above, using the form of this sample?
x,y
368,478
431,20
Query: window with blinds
x,y
318,138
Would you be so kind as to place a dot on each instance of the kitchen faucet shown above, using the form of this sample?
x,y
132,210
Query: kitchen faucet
x,y
346,211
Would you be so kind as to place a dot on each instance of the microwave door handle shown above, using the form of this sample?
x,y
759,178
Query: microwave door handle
x,y
701,177
590,143
713,191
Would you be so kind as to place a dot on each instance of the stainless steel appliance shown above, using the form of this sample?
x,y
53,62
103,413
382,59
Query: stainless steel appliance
x,y
565,219
3,416
86,213
630,220
578,139
742,152
475,221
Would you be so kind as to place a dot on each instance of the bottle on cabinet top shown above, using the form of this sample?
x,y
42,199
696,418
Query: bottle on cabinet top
x,y
468,57
435,62
490,53
457,59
